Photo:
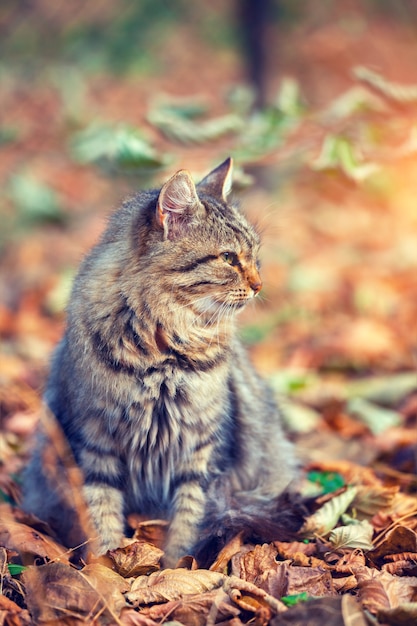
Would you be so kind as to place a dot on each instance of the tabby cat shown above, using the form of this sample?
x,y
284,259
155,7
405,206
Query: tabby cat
x,y
154,392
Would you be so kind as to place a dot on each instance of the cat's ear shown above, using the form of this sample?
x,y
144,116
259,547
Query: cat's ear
x,y
177,203
219,182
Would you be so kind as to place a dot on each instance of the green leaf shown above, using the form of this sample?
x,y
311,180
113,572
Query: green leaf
x,y
293,599
184,108
186,131
57,298
388,390
290,380
8,134
329,481
338,153
16,570
123,148
397,92
376,418
298,417
35,201
288,100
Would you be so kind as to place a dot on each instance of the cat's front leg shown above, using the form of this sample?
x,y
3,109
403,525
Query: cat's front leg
x,y
188,513
105,505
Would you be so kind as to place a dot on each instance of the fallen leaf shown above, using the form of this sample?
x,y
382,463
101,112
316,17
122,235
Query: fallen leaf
x,y
353,536
28,542
353,473
371,499
152,531
194,610
259,567
399,540
381,590
136,559
345,561
316,581
11,614
376,418
340,611
298,417
403,512
345,584
294,599
386,390
403,615
250,596
172,584
406,566
326,518
55,590
131,617
226,554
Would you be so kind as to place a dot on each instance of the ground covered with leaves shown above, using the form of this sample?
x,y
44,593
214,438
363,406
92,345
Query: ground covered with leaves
x,y
328,170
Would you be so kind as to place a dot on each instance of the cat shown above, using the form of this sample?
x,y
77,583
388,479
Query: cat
x,y
155,394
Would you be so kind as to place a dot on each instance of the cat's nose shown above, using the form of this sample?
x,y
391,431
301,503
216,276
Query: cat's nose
x,y
256,286
254,280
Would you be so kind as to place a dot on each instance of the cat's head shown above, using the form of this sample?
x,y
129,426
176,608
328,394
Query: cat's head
x,y
208,250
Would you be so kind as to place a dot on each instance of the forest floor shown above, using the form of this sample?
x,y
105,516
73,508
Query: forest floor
x,y
329,170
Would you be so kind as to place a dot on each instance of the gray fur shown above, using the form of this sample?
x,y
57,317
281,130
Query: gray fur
x,y
150,385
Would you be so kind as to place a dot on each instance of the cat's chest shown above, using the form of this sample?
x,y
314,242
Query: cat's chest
x,y
166,429
167,412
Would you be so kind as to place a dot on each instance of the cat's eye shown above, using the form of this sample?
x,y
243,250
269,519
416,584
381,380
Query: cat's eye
x,y
230,258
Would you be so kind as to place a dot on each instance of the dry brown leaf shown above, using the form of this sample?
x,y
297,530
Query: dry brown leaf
x,y
381,590
197,610
299,553
371,499
55,591
345,561
136,559
12,614
403,511
226,554
255,564
240,590
404,615
352,612
151,531
402,567
286,550
318,611
172,584
131,617
397,541
186,562
299,558
344,584
259,567
316,581
28,542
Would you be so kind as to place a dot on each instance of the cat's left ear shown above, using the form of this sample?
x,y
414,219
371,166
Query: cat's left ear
x,y
219,182
177,203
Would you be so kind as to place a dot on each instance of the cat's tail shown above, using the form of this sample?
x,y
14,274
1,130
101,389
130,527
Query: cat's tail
x,y
259,518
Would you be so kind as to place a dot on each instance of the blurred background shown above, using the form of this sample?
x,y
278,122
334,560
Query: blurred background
x,y
316,102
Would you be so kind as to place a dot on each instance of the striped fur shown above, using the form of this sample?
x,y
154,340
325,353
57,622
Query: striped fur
x,y
150,385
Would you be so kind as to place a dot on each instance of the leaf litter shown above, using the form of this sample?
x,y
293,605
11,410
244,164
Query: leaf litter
x,y
341,353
